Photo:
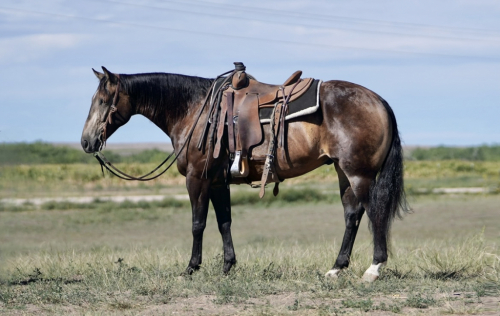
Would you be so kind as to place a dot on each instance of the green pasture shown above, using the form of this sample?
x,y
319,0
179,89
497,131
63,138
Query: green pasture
x,y
477,153
126,258
75,179
46,153
110,258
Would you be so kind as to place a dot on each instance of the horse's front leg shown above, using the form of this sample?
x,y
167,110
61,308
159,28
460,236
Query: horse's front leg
x,y
199,193
221,200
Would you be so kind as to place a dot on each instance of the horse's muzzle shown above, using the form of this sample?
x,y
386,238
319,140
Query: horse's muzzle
x,y
90,146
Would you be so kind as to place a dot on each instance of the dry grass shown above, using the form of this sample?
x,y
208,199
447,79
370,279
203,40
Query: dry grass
x,y
126,261
126,258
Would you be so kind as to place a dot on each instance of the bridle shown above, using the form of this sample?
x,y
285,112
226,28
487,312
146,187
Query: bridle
x,y
105,163
108,118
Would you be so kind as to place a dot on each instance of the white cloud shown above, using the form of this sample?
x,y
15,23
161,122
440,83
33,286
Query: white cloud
x,y
33,47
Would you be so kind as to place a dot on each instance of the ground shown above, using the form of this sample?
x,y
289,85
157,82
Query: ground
x,y
110,258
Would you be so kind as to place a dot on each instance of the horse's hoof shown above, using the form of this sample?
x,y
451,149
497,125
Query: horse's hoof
x,y
372,273
333,274
368,277
228,265
189,271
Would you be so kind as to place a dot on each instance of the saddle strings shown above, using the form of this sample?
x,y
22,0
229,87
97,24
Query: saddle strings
x,y
214,102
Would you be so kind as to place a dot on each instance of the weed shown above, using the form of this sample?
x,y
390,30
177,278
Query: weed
x,y
226,292
327,284
121,305
272,273
295,306
418,301
397,274
364,305
394,308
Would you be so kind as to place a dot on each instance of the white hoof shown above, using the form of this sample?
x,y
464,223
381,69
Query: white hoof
x,y
372,273
333,274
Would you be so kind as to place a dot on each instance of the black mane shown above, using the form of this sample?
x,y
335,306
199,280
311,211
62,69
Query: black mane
x,y
164,97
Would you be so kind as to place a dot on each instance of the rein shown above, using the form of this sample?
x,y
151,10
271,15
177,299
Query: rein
x,y
105,163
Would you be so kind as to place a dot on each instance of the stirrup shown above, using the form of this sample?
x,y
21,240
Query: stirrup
x,y
239,168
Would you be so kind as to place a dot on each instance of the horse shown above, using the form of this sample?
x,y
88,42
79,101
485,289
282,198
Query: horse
x,y
354,128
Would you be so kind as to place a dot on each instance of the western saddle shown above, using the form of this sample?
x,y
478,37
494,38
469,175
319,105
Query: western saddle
x,y
236,100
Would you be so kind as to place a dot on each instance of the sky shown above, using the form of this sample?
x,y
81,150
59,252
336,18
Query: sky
x,y
437,63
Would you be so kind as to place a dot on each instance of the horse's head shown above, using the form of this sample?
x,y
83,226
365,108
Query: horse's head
x,y
109,110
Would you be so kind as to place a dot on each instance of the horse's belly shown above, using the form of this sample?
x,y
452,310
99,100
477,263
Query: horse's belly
x,y
301,152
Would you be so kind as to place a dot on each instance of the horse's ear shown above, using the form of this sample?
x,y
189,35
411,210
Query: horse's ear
x,y
98,74
111,76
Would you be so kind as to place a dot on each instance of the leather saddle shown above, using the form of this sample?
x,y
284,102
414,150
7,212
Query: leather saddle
x,y
238,109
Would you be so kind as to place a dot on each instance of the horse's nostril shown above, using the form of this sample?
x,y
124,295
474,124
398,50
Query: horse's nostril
x,y
85,144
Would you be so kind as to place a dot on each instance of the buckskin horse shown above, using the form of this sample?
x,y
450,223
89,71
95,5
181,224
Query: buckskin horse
x,y
354,128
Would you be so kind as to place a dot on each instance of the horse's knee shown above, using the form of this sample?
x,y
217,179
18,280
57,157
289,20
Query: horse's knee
x,y
198,228
224,227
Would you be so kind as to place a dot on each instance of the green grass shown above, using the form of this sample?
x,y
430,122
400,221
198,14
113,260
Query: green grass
x,y
43,153
127,258
132,279
287,196
46,153
76,179
107,258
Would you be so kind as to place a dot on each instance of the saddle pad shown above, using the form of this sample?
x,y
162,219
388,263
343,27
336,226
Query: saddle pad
x,y
306,104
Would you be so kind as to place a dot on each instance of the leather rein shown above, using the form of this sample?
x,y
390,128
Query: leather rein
x,y
105,163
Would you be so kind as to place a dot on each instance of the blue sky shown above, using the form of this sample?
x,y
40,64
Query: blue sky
x,y
436,62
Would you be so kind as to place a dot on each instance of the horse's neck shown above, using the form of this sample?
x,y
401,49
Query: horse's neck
x,y
167,99
151,113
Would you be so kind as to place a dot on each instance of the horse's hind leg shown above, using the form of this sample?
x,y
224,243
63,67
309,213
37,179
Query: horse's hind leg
x,y
221,201
353,212
362,186
379,219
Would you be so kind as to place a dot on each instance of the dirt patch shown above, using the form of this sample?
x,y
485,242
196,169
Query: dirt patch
x,y
280,304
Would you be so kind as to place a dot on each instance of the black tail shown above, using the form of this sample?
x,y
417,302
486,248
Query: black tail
x,y
387,194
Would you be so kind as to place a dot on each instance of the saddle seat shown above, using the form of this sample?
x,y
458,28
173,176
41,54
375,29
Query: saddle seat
x,y
268,94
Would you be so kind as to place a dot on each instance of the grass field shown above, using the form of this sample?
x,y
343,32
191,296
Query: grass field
x,y
77,179
107,258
